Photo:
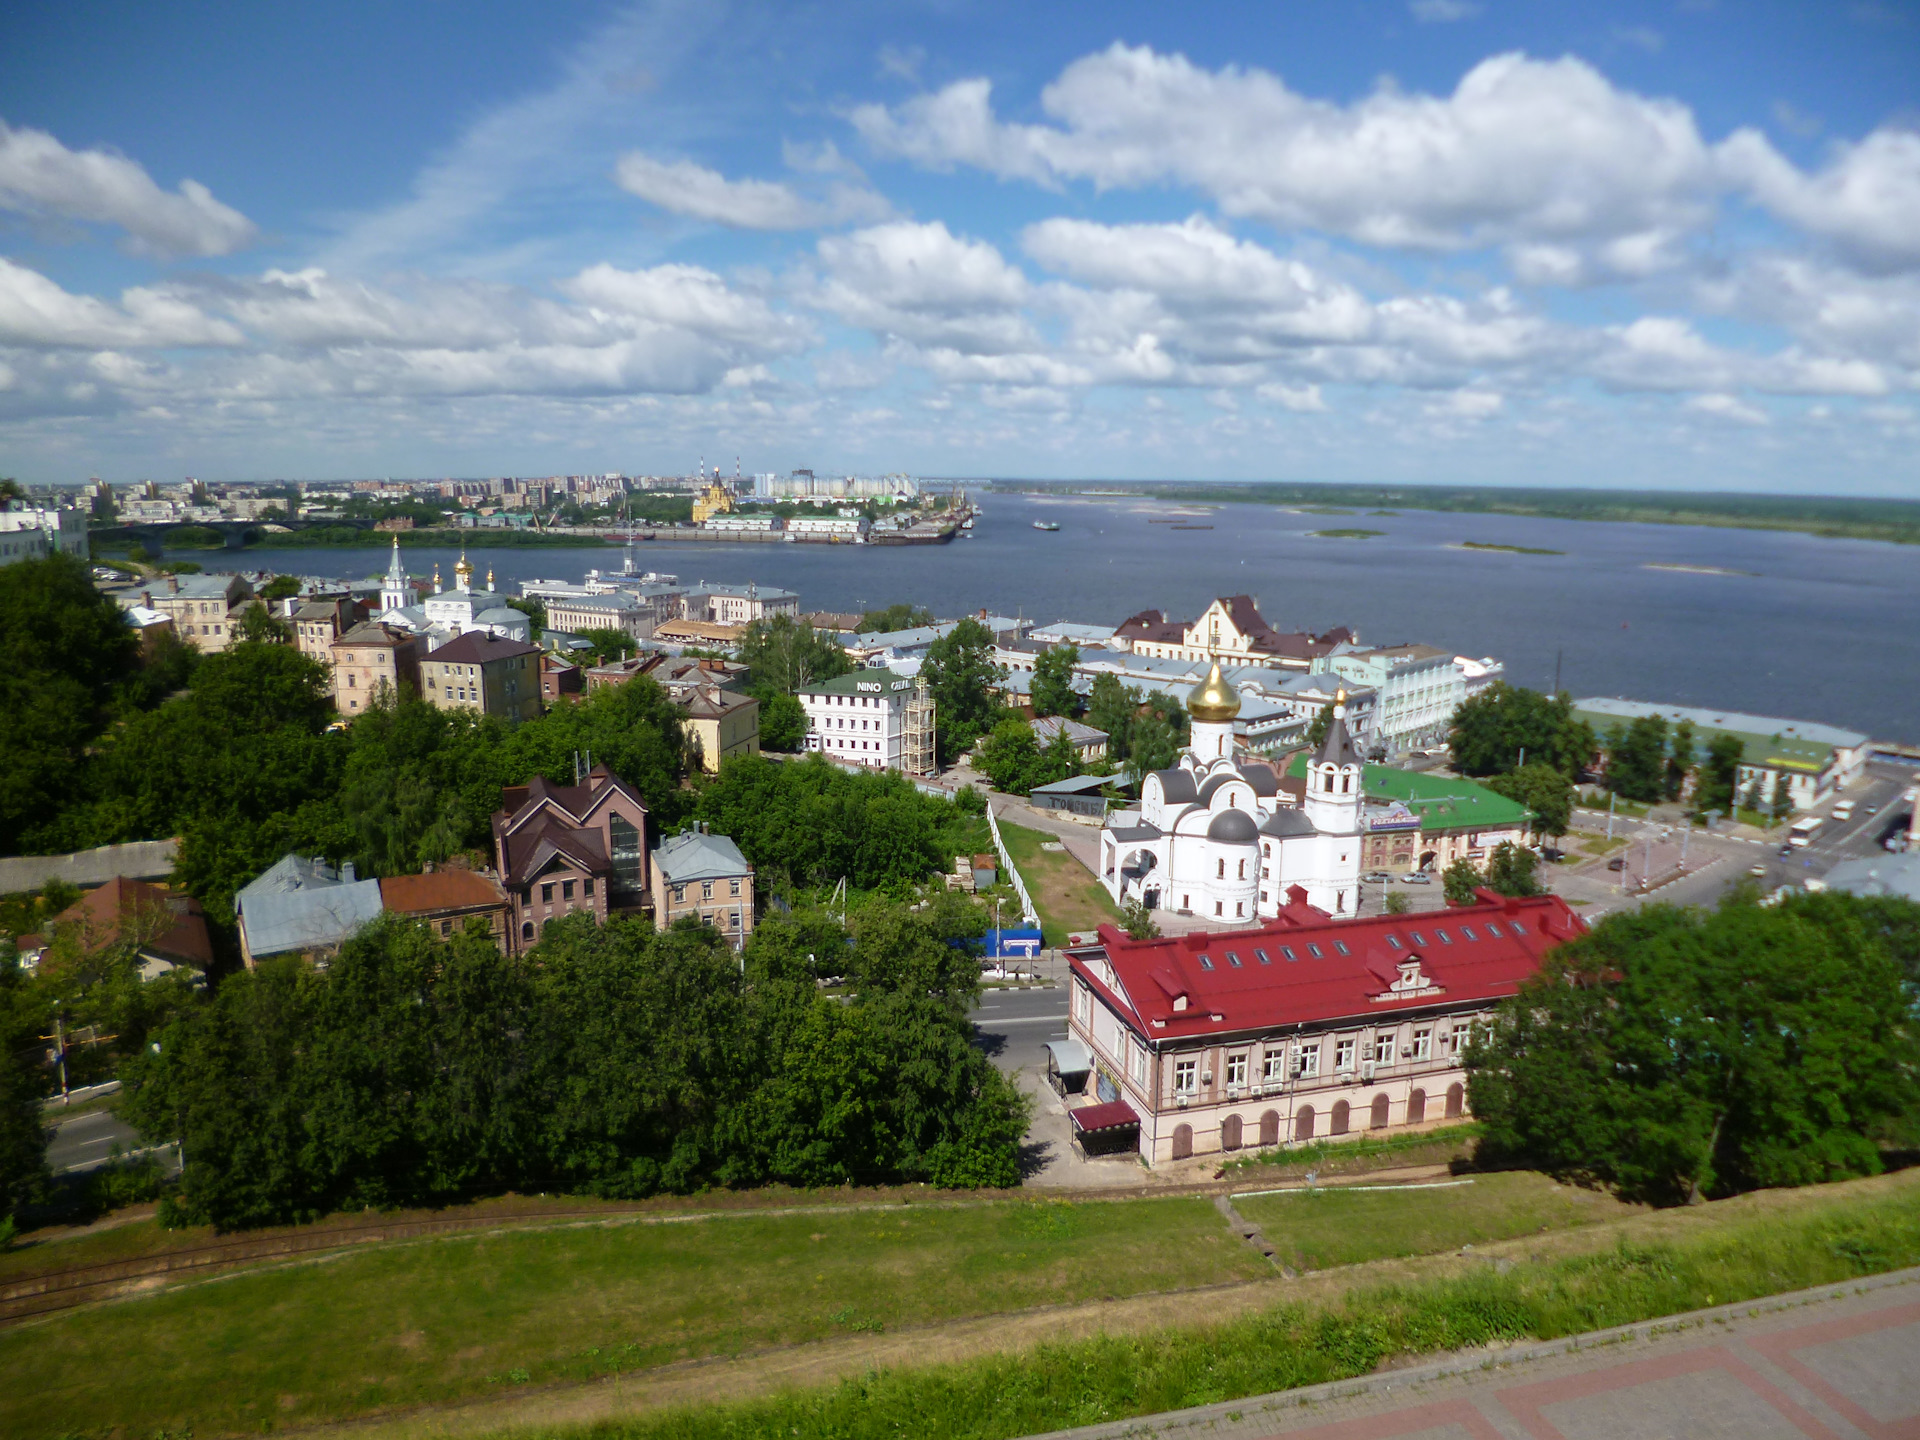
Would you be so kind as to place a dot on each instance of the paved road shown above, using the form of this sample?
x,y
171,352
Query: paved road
x,y
1835,1363
81,1142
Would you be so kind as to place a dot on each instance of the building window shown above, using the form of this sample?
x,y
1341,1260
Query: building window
x,y
566,889
733,887
526,929
1185,1081
586,887
1274,1070
679,894
546,894
1138,1059
1343,1056
1423,1043
1383,1049
1236,1070
1307,1063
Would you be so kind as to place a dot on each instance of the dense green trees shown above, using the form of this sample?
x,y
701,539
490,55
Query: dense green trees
x,y
894,617
789,654
610,1060
1542,789
23,1136
1491,729
808,823
1052,692
1720,775
964,679
1111,707
1015,761
1637,759
783,720
1679,1054
64,653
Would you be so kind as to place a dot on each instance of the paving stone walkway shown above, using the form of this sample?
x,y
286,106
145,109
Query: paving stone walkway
x,y
1838,1363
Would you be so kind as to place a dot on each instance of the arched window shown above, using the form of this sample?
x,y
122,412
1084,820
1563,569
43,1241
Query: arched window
x,y
1303,1123
1270,1128
526,929
1379,1120
1182,1141
1340,1114
1416,1107
1456,1101
1223,869
1243,869
1346,784
1230,1133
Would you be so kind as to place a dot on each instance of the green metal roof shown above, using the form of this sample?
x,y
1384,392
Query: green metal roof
x,y
1442,802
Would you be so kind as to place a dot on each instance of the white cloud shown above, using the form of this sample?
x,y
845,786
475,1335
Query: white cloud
x,y
1302,399
40,176
1523,151
1865,201
1468,405
689,189
1441,12
1727,407
36,312
927,286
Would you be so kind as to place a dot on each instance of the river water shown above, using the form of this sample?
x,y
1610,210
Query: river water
x,y
1802,627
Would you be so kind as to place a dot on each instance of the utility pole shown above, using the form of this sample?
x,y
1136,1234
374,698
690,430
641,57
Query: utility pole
x,y
1556,670
1611,797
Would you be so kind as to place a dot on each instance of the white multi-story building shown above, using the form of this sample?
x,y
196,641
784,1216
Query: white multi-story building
x,y
737,604
1417,689
27,534
860,718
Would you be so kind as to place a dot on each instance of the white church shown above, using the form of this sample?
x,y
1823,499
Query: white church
x,y
448,614
1220,840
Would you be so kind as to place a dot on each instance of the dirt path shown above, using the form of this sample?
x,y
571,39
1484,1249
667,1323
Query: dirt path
x,y
825,1363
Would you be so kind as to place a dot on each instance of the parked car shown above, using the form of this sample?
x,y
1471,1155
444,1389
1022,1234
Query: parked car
x,y
1786,852
1376,877
1619,862
1418,877
1757,870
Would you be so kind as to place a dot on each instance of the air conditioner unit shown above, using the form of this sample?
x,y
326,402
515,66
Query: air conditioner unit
x,y
1233,1092
1181,1101
1206,1077
1366,1069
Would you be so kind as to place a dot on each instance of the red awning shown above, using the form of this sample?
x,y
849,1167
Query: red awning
x,y
1111,1116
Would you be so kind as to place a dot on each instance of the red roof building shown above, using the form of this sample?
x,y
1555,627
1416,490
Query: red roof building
x,y
165,930
1305,1027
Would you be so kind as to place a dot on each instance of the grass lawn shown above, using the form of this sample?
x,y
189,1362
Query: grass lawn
x,y
1597,845
1069,899
407,1323
1318,1229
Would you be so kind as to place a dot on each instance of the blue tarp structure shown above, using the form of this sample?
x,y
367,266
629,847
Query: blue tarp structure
x,y
1023,944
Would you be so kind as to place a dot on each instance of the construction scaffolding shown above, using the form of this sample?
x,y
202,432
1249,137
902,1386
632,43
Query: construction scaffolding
x,y
916,732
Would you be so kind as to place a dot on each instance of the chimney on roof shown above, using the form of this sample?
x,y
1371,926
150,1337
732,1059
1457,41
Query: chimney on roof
x,y
173,584
146,598
347,874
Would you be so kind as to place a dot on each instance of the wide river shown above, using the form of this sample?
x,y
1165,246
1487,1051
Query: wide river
x,y
1784,624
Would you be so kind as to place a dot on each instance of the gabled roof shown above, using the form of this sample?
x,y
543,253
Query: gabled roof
x,y
699,856
1469,954
170,926
549,838
1176,786
307,919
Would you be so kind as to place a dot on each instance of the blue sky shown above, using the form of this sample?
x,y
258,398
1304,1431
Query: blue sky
x,y
1671,245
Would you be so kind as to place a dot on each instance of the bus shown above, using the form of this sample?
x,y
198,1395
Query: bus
x,y
1801,835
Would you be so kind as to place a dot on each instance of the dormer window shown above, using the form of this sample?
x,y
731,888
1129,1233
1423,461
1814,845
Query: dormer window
x,y
1179,1002
1394,941
1233,959
1493,930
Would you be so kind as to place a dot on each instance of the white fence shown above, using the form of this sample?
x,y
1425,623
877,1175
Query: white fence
x,y
1027,912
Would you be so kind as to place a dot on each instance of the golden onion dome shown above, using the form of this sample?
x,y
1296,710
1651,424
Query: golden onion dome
x,y
1213,701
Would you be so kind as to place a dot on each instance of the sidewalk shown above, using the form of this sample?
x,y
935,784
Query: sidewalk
x,y
1835,1363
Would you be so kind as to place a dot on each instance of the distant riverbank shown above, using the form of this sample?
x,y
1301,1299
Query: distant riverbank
x,y
345,537
1836,517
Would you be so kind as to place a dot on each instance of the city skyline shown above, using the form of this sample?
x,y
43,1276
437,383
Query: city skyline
x,y
1675,247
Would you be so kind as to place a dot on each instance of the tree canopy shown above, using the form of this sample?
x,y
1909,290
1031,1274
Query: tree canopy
x,y
1111,707
789,654
1052,692
963,677
895,617
1637,759
1542,789
1491,729
611,1060
1680,1054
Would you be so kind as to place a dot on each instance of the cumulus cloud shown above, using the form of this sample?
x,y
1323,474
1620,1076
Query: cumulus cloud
x,y
1442,12
1865,200
689,189
925,285
1522,151
34,311
39,176
1727,407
